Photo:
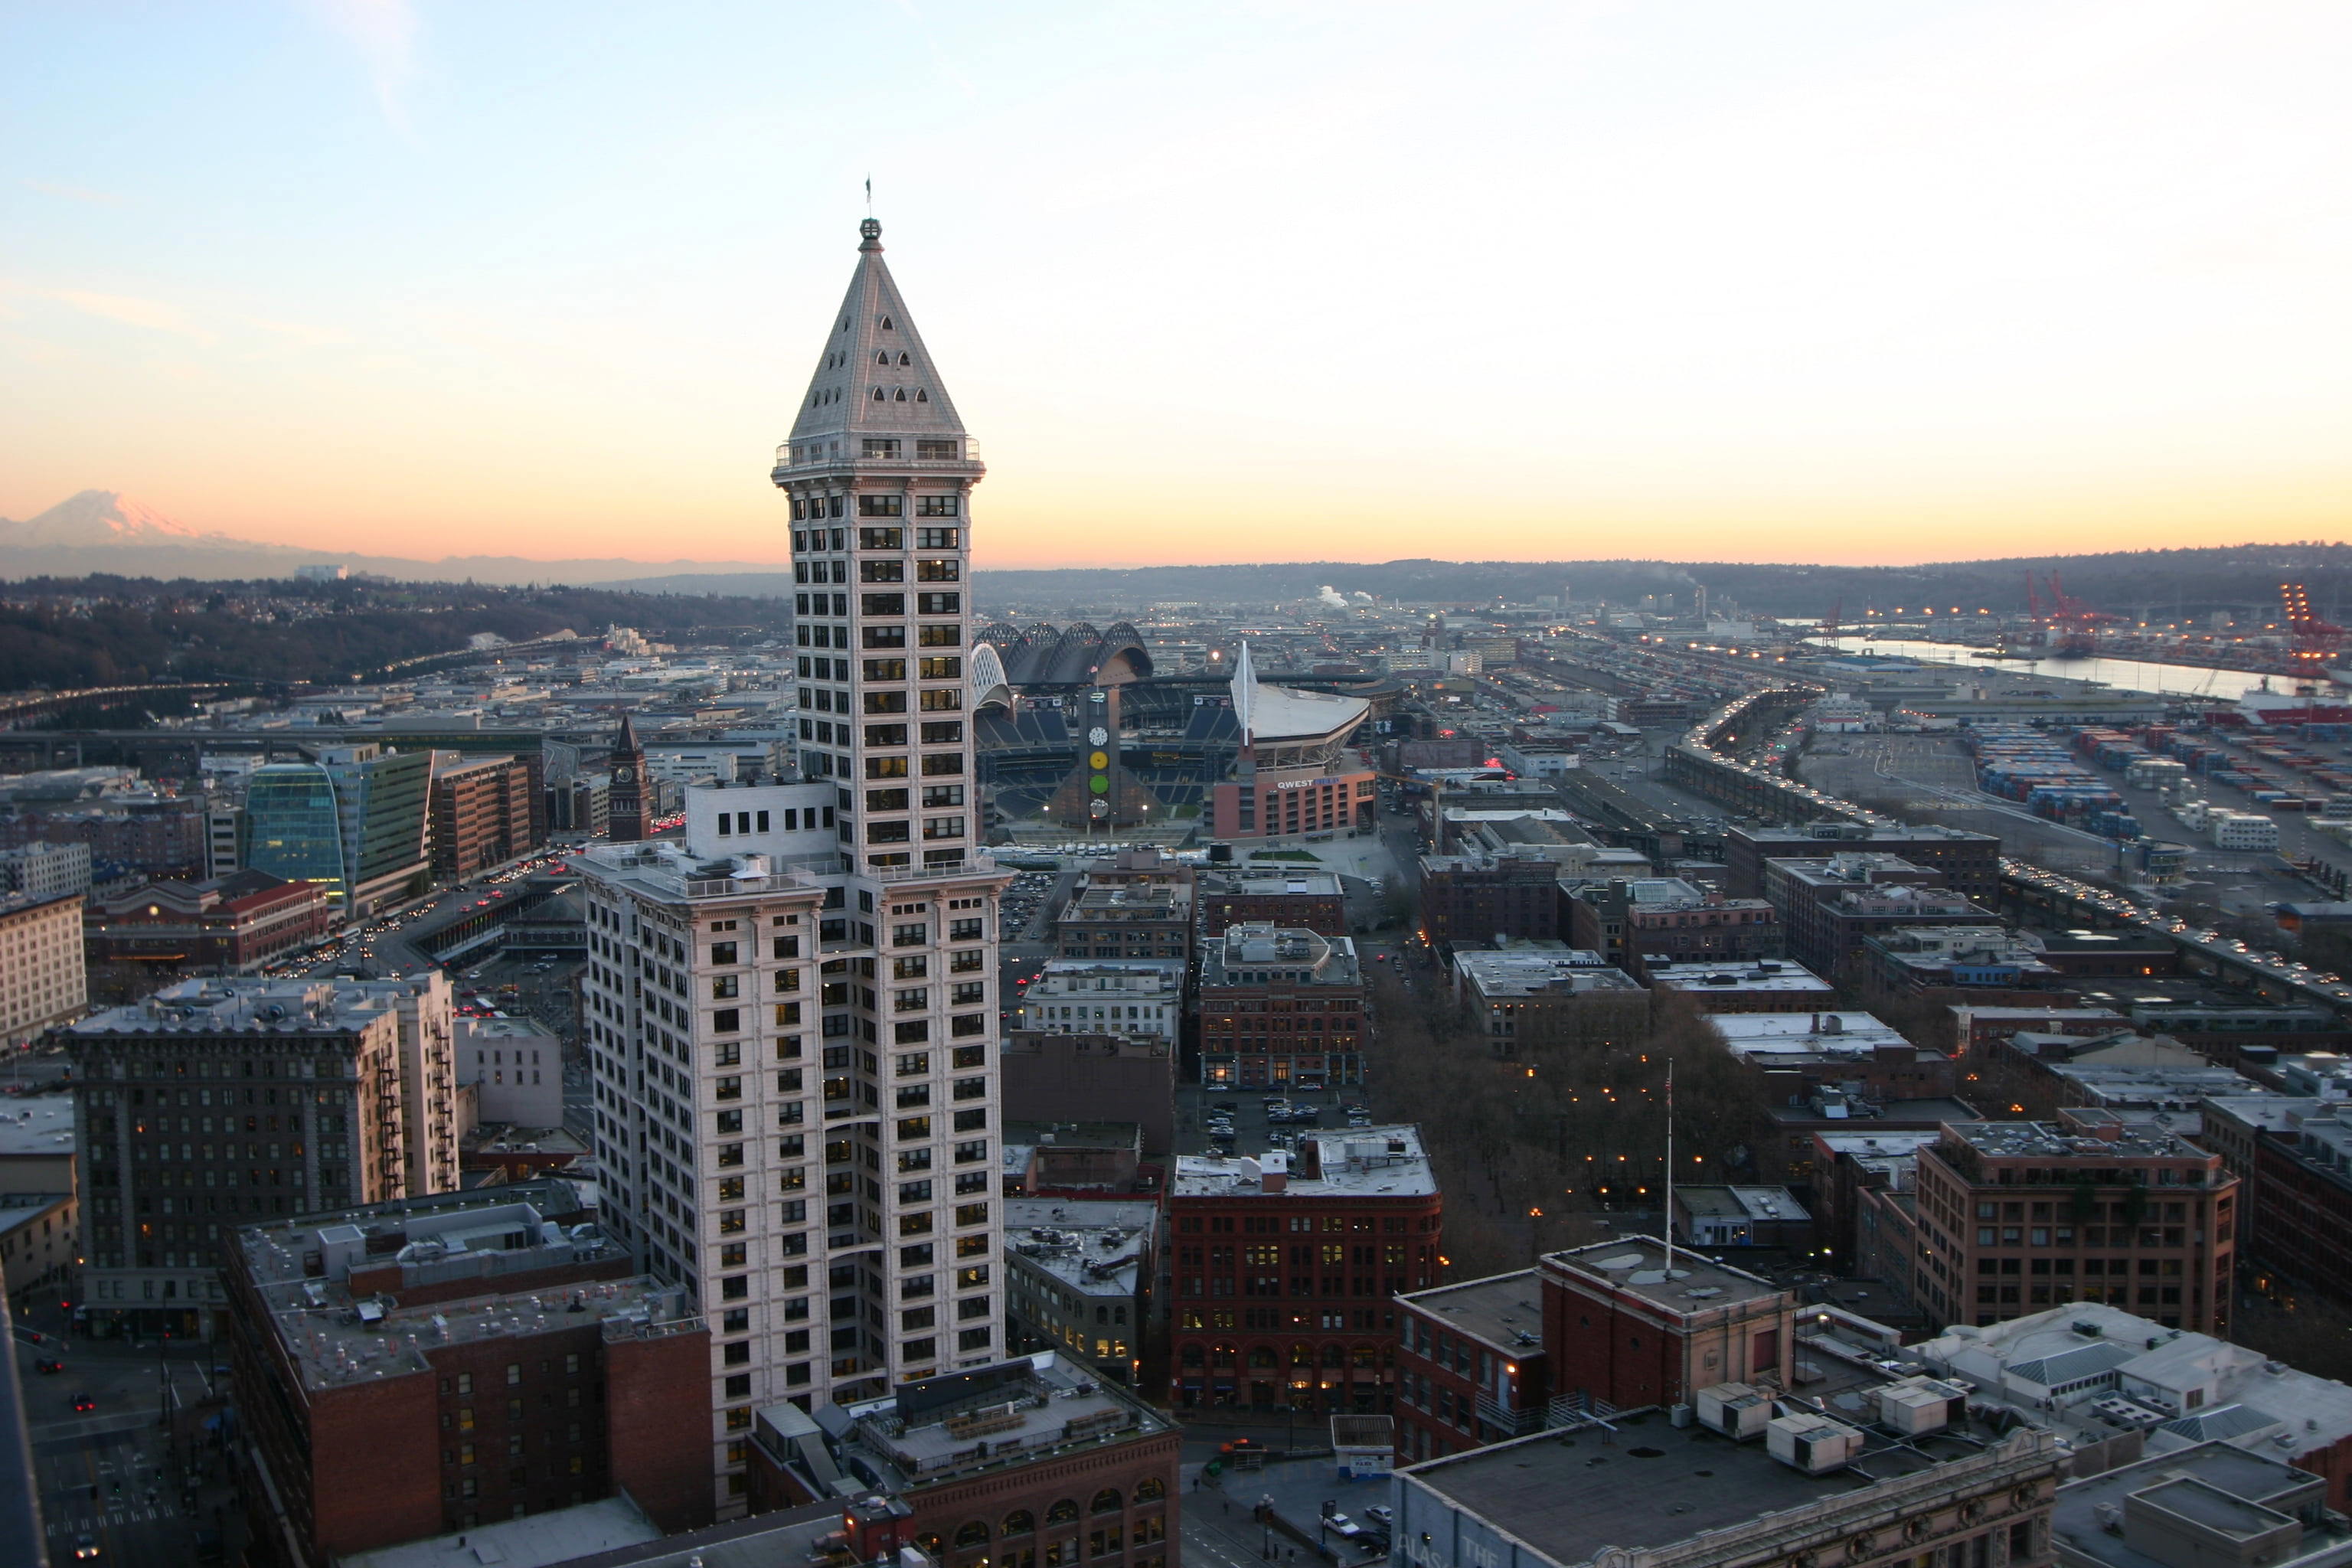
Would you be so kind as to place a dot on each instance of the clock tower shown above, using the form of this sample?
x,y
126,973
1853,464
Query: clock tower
x,y
630,818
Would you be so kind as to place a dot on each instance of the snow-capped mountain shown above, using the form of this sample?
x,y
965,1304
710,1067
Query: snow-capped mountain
x,y
100,517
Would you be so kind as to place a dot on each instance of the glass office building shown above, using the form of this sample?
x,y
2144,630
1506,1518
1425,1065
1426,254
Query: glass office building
x,y
291,829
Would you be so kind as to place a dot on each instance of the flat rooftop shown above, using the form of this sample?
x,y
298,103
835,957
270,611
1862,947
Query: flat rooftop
x,y
301,1269
1362,1162
1650,1484
1568,972
2056,1141
37,1124
1254,884
1095,1248
1504,1310
1831,1033
1773,974
1636,1265
558,1536
946,1428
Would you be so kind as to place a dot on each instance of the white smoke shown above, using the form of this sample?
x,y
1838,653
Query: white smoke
x,y
1331,598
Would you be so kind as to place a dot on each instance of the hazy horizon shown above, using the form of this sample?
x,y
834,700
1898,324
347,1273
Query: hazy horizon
x,y
1837,283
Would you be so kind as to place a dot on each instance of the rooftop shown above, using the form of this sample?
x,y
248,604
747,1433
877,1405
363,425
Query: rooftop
x,y
960,1425
1096,1248
2218,1487
1572,971
1363,1161
1637,1266
2073,1140
37,1124
541,1540
1257,952
1502,1310
1254,883
303,1269
236,1006
1770,974
1649,1484
1830,1033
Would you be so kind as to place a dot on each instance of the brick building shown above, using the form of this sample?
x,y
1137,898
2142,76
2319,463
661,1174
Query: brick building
x,y
1636,923
1140,906
1470,1364
2302,1197
423,1366
1474,899
1280,1006
1968,863
1296,898
485,810
1830,906
1092,1078
234,923
1282,1269
1767,985
1092,1473
2018,1217
1527,999
162,835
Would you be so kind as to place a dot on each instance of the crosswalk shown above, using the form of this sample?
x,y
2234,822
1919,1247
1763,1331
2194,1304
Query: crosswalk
x,y
116,1517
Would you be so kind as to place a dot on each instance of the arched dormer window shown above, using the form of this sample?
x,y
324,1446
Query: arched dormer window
x,y
882,358
902,395
878,394
921,396
887,326
905,358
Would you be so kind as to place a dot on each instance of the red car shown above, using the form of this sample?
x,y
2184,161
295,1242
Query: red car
x,y
49,1363
84,1402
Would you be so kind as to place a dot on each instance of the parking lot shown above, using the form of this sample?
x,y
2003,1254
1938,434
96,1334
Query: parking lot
x,y
1252,1122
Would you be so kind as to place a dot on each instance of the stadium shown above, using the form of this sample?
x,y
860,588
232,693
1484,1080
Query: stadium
x,y
1078,736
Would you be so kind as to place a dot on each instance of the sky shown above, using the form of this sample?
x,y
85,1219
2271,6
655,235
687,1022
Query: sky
x,y
1877,281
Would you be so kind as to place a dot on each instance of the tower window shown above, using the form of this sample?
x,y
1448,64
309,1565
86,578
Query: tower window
x,y
887,326
902,395
922,396
905,358
882,358
878,394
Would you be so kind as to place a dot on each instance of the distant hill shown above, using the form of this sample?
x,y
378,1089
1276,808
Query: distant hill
x,y
102,532
106,532
2159,583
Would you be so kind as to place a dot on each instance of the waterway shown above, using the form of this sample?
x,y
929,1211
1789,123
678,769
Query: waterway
x,y
2124,675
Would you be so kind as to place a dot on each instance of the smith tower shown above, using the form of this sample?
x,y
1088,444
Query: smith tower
x,y
791,1009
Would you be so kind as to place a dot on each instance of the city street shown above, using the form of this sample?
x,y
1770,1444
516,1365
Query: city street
x,y
1219,1525
138,1488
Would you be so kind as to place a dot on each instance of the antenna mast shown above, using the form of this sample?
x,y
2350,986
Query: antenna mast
x,y
1666,1231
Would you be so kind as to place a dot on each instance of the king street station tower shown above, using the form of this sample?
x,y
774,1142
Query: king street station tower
x,y
790,1014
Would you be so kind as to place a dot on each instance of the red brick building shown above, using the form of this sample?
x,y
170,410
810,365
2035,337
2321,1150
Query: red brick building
x,y
1297,898
483,813
234,923
1284,1272
1281,1008
420,1367
1830,906
1592,1330
1469,899
1644,921
2019,1217
1094,1479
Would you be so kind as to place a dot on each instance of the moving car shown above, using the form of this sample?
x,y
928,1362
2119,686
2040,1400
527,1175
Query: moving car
x,y
84,1402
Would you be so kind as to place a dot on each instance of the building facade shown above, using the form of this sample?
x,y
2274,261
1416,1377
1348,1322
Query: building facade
x,y
482,815
418,1383
1638,923
1137,998
1305,900
1467,898
790,1012
2018,1217
239,922
1281,1008
216,1103
1968,863
42,979
1284,1270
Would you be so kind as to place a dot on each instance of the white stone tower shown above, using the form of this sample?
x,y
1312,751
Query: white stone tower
x,y
792,1014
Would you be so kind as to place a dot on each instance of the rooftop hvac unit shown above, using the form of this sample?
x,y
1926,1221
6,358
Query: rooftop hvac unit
x,y
1916,1407
1735,1409
1813,1444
